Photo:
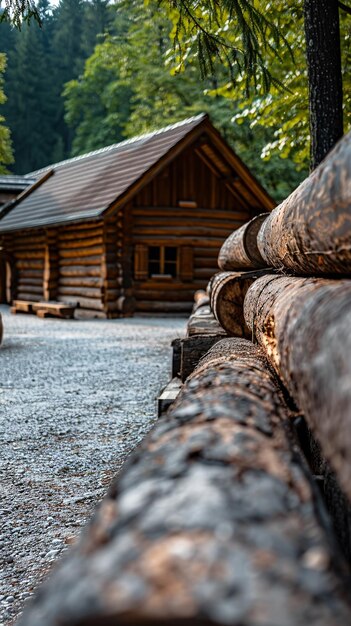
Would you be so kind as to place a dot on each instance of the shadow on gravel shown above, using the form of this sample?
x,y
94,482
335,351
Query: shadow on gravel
x,y
13,347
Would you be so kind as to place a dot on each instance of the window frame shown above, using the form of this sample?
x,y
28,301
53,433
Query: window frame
x,y
162,275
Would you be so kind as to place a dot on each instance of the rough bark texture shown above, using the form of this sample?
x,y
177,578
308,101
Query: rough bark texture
x,y
212,521
304,326
240,250
324,76
228,290
310,232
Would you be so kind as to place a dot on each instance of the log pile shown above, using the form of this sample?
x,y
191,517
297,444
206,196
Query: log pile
x,y
304,325
310,232
212,522
240,251
203,331
227,294
302,321
217,518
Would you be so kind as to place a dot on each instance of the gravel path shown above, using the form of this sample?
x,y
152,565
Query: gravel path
x,y
75,399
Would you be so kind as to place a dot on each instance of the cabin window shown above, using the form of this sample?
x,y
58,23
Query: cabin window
x,y
163,261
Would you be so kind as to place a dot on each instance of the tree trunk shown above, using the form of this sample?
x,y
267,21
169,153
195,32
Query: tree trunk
x,y
324,76
304,325
310,232
212,522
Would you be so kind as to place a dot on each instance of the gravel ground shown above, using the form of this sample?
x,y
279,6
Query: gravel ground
x,y
75,398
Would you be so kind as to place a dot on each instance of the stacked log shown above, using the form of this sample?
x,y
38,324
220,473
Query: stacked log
x,y
201,299
203,331
240,250
227,294
310,232
212,522
304,325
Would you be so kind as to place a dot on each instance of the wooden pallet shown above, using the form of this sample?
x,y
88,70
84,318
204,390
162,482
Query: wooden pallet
x,y
22,306
54,309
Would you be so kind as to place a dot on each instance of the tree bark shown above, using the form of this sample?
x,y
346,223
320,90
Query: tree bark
x,y
310,232
304,326
212,522
240,250
324,76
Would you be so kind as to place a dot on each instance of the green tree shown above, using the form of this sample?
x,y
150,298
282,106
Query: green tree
x,y
232,28
6,157
31,104
128,88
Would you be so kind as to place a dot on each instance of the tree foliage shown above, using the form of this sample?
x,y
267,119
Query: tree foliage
x,y
41,59
17,12
281,104
6,156
130,86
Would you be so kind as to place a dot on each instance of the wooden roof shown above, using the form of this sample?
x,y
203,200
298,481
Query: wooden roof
x,y
87,186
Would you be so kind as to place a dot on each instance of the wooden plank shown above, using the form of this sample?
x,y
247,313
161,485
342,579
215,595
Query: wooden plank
x,y
176,357
168,396
22,306
54,309
193,349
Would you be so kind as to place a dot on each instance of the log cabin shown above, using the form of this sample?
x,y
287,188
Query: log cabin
x,y
134,227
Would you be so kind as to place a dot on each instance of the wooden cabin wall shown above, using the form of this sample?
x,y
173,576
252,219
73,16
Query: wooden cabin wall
x,y
28,249
112,272
161,218
80,265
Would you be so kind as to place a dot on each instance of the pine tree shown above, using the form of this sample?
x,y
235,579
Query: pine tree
x,y
31,105
6,157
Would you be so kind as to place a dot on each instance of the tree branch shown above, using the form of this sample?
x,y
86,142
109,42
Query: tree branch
x,y
344,7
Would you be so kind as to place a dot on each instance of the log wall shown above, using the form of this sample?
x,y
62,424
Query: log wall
x,y
28,250
80,257
188,205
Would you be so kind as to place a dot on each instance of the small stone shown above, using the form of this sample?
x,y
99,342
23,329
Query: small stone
x,y
71,539
52,554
